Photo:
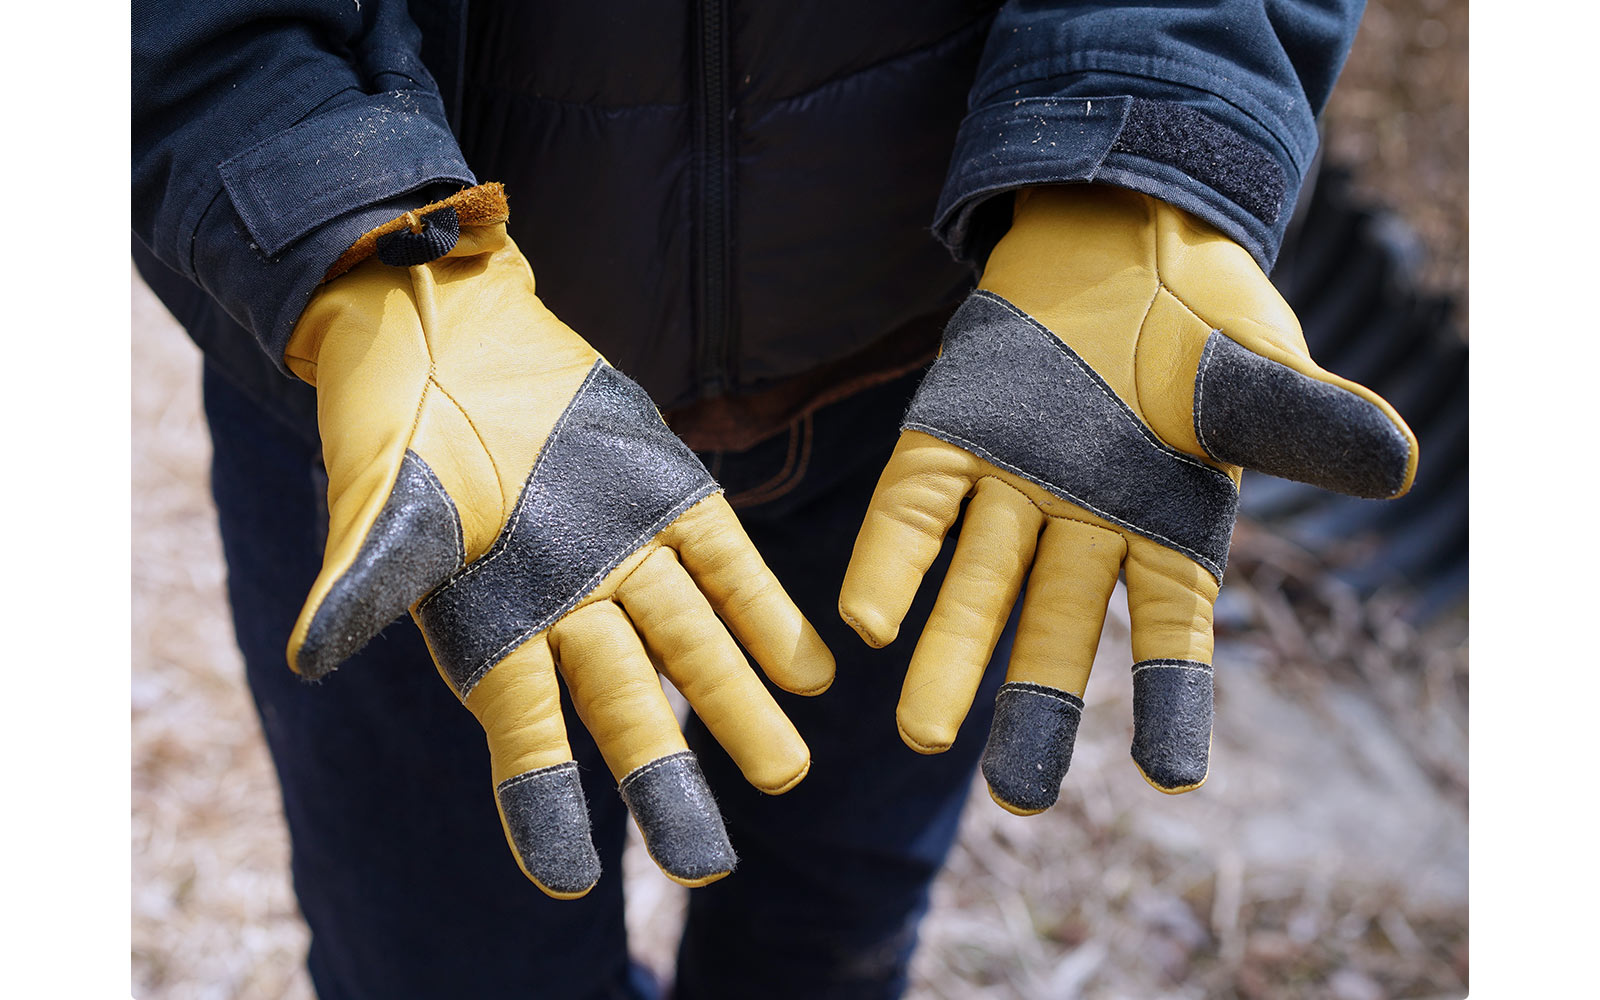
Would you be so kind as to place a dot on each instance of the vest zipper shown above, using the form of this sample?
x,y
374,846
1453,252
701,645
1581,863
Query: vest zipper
x,y
714,167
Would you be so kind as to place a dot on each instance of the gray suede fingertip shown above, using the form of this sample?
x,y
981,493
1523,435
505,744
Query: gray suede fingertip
x,y
1030,744
548,820
682,827
1172,709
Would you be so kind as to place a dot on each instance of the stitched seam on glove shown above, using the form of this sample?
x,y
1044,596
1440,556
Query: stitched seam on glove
x,y
465,663
1196,665
538,772
503,541
982,453
438,487
1067,698
477,672
643,769
1206,354
495,466
1100,383
1138,339
1054,517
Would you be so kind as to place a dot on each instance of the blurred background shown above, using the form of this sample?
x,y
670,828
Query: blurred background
x,y
1326,856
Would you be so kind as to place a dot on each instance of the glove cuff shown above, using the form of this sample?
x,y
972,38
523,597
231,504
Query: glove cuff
x,y
483,205
414,237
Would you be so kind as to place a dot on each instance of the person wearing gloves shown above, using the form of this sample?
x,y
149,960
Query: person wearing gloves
x,y
728,204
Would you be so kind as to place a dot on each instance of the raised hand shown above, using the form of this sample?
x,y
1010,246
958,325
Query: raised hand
x,y
1093,405
490,472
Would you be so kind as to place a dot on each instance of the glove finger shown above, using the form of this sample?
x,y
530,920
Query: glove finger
x,y
536,784
713,547
692,648
1300,423
917,499
390,556
1170,600
1037,710
992,556
619,698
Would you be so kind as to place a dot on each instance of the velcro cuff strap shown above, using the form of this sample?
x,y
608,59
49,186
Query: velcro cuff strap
x,y
1166,149
338,161
1207,150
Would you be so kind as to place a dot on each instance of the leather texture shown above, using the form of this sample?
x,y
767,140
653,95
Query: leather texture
x,y
1113,338
490,472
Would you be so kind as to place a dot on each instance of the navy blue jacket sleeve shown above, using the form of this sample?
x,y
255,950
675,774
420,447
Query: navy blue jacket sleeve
x,y
1209,105
269,134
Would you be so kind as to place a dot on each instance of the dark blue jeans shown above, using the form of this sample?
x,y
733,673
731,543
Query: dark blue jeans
x,y
399,862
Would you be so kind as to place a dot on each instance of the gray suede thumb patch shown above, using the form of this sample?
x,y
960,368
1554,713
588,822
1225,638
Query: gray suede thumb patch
x,y
1255,412
413,545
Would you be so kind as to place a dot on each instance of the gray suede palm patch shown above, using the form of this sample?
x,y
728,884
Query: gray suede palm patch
x,y
1008,390
414,543
611,476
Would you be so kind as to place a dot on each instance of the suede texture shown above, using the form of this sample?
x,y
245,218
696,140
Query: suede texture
x,y
1008,390
1172,708
426,238
1255,412
682,827
608,479
415,541
1208,151
547,820
1030,744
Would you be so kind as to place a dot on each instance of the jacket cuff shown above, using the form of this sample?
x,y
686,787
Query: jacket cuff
x,y
292,204
1244,185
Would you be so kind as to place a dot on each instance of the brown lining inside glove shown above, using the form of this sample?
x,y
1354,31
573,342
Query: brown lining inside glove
x,y
483,205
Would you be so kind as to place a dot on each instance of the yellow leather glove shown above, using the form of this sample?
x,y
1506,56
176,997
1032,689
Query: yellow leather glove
x,y
1093,404
488,470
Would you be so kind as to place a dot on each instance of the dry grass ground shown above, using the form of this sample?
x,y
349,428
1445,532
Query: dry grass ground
x,y
213,915
1325,858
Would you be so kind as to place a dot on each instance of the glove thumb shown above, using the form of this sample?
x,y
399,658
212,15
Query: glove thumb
x,y
1300,423
410,543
